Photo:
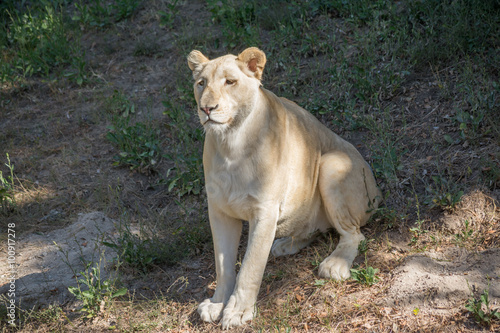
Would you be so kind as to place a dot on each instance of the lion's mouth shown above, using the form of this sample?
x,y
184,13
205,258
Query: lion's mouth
x,y
211,121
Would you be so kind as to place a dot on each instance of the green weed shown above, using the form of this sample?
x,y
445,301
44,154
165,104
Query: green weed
x,y
167,17
388,218
119,104
139,144
443,193
418,230
462,237
92,14
98,293
368,274
355,11
481,309
52,314
237,19
134,251
125,8
363,246
78,70
7,199
491,172
320,282
144,250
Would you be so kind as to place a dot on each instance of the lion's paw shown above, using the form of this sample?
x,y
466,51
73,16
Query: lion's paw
x,y
210,311
234,315
335,268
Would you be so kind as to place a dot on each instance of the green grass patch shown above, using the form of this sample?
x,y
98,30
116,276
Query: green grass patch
x,y
39,40
186,176
139,144
7,199
156,242
100,13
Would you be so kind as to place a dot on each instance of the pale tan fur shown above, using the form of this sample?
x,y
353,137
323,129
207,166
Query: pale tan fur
x,y
271,163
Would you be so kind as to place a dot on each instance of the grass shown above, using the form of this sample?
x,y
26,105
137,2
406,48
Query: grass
x,y
39,41
412,84
99,13
186,176
7,199
154,245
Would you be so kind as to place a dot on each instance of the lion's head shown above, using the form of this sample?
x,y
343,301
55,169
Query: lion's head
x,y
226,88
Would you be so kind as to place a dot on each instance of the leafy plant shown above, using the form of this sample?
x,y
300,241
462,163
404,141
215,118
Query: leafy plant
x,y
444,194
99,292
237,20
118,103
125,8
320,282
167,17
139,144
93,14
363,246
417,231
465,234
481,309
366,275
491,171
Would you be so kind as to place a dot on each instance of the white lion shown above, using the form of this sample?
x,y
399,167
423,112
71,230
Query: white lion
x,y
271,163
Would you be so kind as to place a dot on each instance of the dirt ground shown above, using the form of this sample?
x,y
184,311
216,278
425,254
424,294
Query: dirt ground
x,y
73,198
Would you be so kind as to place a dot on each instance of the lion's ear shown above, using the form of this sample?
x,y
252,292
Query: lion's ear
x,y
255,61
195,60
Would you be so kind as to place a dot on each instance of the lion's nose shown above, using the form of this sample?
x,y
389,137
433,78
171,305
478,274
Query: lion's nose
x,y
209,109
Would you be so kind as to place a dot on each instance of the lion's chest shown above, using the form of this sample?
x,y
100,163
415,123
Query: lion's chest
x,y
233,188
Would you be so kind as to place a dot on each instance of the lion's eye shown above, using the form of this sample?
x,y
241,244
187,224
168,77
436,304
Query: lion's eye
x,y
201,83
230,82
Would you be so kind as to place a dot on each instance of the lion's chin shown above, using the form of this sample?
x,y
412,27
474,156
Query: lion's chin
x,y
214,126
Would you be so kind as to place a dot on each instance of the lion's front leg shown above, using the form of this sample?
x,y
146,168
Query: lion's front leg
x,y
241,305
226,233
